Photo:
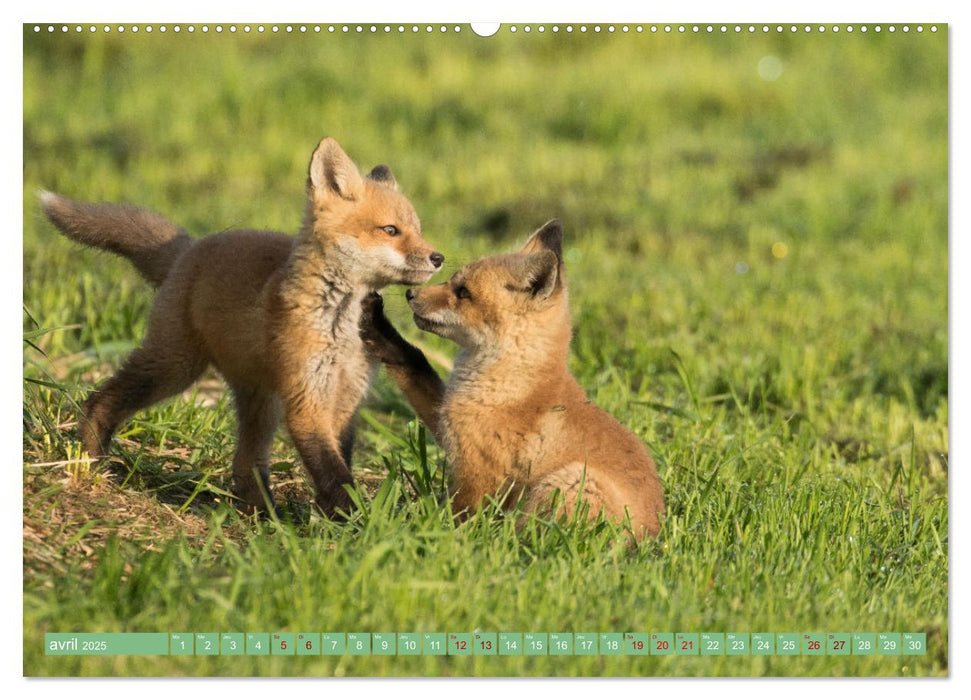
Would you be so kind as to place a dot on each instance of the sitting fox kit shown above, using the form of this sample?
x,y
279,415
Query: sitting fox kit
x,y
512,419
278,316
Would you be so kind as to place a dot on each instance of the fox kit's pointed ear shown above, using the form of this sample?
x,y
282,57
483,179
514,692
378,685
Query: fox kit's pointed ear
x,y
382,174
332,172
537,274
548,237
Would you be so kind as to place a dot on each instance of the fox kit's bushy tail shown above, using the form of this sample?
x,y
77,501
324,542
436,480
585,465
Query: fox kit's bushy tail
x,y
150,241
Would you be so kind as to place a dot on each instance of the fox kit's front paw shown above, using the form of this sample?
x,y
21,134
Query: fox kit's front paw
x,y
254,498
336,504
264,511
381,340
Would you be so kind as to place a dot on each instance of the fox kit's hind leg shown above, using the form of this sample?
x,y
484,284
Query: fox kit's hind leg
x,y
575,489
149,375
258,414
565,490
168,361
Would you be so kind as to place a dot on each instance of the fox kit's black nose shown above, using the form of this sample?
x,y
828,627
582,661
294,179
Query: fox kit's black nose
x,y
437,259
410,294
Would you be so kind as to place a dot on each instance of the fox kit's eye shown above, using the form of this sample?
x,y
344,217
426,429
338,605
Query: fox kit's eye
x,y
391,230
463,292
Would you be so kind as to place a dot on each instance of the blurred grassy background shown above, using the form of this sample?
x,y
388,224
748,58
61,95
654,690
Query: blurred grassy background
x,y
756,250
670,151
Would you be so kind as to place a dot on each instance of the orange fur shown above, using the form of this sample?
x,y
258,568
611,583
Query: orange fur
x,y
278,316
512,419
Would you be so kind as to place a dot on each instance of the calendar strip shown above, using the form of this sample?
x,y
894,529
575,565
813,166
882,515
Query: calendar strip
x,y
486,644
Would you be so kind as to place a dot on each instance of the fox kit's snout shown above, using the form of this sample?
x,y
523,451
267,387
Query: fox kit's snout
x,y
468,318
512,419
366,223
498,301
278,316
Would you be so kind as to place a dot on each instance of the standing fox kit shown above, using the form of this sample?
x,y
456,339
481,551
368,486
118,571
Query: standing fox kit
x,y
278,316
512,419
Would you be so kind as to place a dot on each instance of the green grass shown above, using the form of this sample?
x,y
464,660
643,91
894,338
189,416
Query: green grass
x,y
794,395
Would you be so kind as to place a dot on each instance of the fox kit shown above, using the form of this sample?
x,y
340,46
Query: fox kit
x,y
278,316
512,419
